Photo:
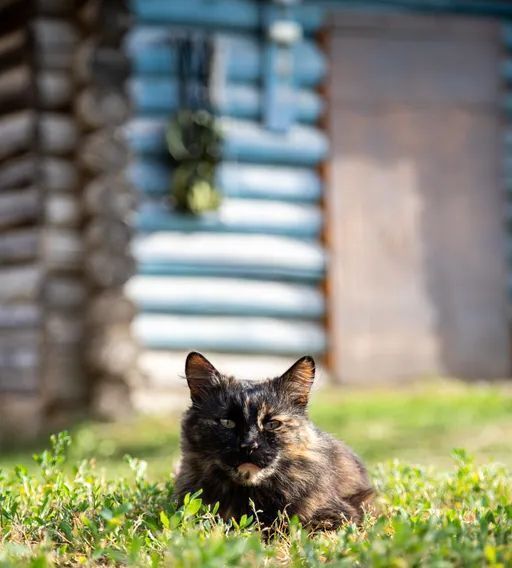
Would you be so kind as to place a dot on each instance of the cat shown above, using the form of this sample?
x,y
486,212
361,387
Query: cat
x,y
250,447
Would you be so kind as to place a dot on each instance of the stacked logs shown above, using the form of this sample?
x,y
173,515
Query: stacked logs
x,y
61,248
42,294
102,108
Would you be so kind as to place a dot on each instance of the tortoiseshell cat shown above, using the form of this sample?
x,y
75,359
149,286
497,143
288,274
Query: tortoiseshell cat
x,y
248,441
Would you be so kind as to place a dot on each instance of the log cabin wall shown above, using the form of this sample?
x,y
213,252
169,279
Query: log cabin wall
x,y
243,283
42,292
102,109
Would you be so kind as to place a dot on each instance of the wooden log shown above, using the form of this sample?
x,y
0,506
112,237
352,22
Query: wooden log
x,y
64,375
57,133
152,52
20,284
100,64
108,270
256,181
102,107
19,349
104,151
18,172
113,351
110,307
64,292
22,413
17,133
15,91
55,7
243,141
13,48
88,13
234,14
19,360
63,210
54,89
54,34
58,174
111,399
236,256
19,206
252,216
62,249
54,174
161,95
63,328
20,316
83,60
56,60
272,336
108,234
110,195
19,246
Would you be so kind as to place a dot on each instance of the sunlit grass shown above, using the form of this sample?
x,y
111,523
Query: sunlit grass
x,y
418,424
71,516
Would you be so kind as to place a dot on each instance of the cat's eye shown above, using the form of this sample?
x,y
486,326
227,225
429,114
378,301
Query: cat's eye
x,y
227,423
272,425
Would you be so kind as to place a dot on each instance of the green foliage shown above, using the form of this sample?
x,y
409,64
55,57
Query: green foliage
x,y
194,141
67,515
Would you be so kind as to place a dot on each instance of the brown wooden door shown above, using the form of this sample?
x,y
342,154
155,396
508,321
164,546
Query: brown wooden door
x,y
415,206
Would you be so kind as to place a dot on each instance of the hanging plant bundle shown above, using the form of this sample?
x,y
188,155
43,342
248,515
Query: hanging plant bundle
x,y
194,140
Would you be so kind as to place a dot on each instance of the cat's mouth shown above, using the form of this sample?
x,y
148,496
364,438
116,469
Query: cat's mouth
x,y
248,468
249,473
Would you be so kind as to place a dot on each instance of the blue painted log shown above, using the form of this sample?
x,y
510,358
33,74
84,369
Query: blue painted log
x,y
230,334
159,95
239,256
243,141
225,296
152,177
499,8
236,216
241,14
269,182
247,141
151,52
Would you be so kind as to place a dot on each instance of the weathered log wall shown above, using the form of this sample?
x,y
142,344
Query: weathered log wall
x,y
102,107
42,300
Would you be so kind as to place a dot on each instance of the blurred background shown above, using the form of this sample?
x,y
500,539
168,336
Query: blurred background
x,y
256,180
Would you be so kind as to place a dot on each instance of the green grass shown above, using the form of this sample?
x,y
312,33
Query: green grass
x,y
87,504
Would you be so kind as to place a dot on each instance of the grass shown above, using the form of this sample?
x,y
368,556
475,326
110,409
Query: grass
x,y
85,503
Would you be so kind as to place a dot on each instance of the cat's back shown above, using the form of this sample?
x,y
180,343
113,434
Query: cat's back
x,y
346,471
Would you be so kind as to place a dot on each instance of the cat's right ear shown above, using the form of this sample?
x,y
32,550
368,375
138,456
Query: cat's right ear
x,y
200,374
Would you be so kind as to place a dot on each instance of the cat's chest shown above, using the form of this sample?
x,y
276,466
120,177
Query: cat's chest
x,y
236,500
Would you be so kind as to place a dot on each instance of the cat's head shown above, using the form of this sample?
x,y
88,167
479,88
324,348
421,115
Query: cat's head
x,y
247,428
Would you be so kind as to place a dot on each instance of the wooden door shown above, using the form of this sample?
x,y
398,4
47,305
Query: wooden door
x,y
416,205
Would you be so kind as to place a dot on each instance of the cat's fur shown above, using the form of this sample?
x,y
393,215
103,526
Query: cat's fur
x,y
295,467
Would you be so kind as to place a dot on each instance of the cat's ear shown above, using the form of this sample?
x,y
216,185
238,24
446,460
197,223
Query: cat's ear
x,y
298,379
200,374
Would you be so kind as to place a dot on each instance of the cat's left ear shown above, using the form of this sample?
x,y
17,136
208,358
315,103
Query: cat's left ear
x,y
200,374
298,379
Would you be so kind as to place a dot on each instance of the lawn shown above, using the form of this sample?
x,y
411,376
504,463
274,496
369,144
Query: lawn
x,y
86,503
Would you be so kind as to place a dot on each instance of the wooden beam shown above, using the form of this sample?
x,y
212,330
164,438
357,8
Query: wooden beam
x,y
20,283
20,316
19,246
13,49
19,206
17,133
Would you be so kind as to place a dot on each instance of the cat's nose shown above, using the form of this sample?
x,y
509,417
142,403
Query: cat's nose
x,y
250,445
